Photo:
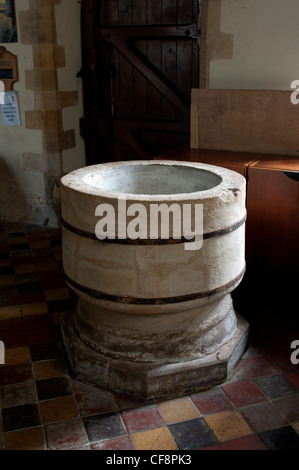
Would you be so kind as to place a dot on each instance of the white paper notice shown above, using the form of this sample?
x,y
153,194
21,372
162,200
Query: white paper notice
x,y
10,109
2,90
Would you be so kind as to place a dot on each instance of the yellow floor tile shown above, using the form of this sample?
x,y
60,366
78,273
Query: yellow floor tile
x,y
296,426
7,280
228,425
176,411
25,268
57,294
25,439
17,355
155,439
58,409
36,308
47,369
13,311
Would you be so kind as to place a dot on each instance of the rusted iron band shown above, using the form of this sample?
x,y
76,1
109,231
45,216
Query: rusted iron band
x,y
148,241
153,301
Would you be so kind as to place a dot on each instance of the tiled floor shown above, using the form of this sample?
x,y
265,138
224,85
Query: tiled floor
x,y
43,408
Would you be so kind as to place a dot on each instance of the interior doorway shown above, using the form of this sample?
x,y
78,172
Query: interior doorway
x,y
141,58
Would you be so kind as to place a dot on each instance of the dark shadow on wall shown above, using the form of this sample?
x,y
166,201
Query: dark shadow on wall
x,y
17,205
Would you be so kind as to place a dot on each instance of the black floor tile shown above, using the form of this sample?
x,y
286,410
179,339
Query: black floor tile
x,y
19,246
272,422
42,352
275,386
26,287
56,242
6,270
102,427
28,282
60,305
34,228
284,438
8,290
16,234
22,416
192,435
16,374
288,407
14,227
53,388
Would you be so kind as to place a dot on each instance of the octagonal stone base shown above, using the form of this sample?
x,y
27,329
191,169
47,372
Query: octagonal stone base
x,y
151,381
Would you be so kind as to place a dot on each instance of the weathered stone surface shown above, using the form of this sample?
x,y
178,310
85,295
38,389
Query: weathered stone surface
x,y
41,80
48,56
154,318
149,380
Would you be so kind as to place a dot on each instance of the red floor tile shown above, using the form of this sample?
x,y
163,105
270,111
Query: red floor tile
x,y
13,339
263,416
282,360
259,366
32,297
118,443
293,377
244,393
244,443
66,435
212,401
146,417
46,335
38,322
31,274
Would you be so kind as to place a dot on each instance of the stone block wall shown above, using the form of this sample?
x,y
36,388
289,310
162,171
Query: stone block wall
x,y
49,55
249,44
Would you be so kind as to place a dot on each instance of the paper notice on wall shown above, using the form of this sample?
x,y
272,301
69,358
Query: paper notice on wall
x,y
2,92
10,109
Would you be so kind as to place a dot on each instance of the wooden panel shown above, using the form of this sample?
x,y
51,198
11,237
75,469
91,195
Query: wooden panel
x,y
8,69
272,229
141,60
276,162
236,161
255,121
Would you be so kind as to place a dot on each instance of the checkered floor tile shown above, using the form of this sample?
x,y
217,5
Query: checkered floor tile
x,y
42,407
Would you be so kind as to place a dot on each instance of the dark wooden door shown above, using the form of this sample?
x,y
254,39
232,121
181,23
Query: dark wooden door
x,y
140,62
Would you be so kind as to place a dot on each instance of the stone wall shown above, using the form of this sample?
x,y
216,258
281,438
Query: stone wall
x,y
34,156
249,44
